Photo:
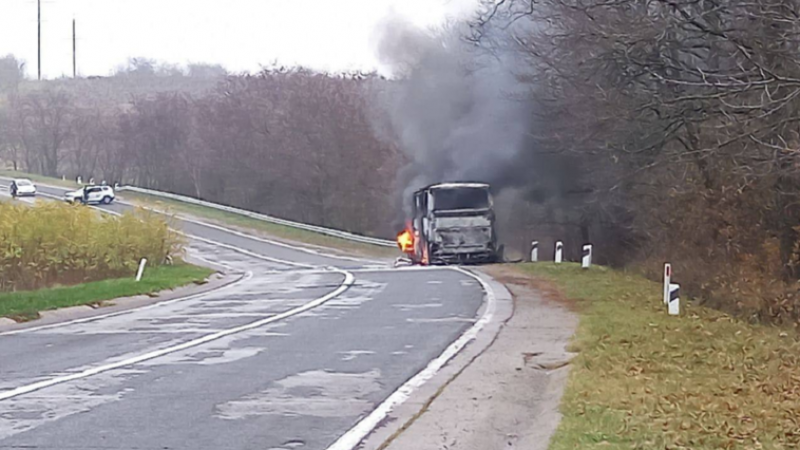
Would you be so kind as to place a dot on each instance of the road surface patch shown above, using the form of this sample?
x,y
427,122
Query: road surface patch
x,y
315,393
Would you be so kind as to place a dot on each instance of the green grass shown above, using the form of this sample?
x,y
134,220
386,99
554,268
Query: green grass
x,y
645,380
27,305
275,230
39,178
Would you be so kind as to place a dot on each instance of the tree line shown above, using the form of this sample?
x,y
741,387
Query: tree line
x,y
680,121
292,143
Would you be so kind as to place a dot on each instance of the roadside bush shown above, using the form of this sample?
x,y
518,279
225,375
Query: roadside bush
x,y
724,252
53,243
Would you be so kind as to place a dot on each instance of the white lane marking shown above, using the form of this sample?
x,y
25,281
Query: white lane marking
x,y
226,230
252,254
232,247
243,251
355,435
401,269
247,276
294,272
348,281
255,238
275,243
45,194
195,255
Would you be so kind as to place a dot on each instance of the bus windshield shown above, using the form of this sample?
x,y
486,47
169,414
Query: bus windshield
x,y
460,198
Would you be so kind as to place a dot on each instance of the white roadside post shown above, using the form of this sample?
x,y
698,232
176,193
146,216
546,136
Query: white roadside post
x,y
534,251
559,252
140,272
674,299
586,261
79,180
667,281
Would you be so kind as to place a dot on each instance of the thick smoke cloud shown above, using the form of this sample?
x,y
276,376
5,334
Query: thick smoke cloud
x,y
455,108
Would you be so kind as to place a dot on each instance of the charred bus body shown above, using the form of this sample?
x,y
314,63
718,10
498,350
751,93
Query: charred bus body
x,y
454,223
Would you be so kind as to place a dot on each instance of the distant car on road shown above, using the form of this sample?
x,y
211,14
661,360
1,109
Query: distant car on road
x,y
22,187
91,195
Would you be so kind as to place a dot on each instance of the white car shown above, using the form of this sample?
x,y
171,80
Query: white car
x,y
91,195
22,187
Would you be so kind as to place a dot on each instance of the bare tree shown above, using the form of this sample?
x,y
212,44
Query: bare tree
x,y
43,124
687,115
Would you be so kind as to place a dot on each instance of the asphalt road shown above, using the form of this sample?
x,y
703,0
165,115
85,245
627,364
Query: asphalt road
x,y
290,357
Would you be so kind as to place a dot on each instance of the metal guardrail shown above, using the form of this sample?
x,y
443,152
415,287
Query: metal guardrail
x,y
287,223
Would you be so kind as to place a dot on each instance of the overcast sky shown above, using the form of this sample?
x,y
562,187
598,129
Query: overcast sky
x,y
242,35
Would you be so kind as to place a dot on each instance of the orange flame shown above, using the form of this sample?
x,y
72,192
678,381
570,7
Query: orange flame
x,y
405,240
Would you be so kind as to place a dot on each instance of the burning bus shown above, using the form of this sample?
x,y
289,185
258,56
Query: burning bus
x,y
451,223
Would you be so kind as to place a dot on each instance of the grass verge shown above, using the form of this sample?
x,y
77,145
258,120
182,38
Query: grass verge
x,y
645,380
275,230
26,305
39,178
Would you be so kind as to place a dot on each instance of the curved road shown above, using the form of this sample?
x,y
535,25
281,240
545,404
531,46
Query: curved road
x,y
291,356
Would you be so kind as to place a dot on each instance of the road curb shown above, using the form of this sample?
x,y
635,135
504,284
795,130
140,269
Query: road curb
x,y
404,415
120,305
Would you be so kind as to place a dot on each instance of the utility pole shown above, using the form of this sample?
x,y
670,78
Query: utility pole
x,y
39,41
74,52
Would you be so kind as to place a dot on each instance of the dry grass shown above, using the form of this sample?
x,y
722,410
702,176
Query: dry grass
x,y
644,380
54,243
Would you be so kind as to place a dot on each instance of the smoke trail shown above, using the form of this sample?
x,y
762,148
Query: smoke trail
x,y
454,107
467,111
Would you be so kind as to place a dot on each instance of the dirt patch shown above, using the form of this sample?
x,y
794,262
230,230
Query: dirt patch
x,y
548,290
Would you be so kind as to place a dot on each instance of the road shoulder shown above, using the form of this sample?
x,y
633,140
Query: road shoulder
x,y
508,397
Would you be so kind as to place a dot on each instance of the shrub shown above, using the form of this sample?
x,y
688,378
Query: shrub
x,y
54,243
